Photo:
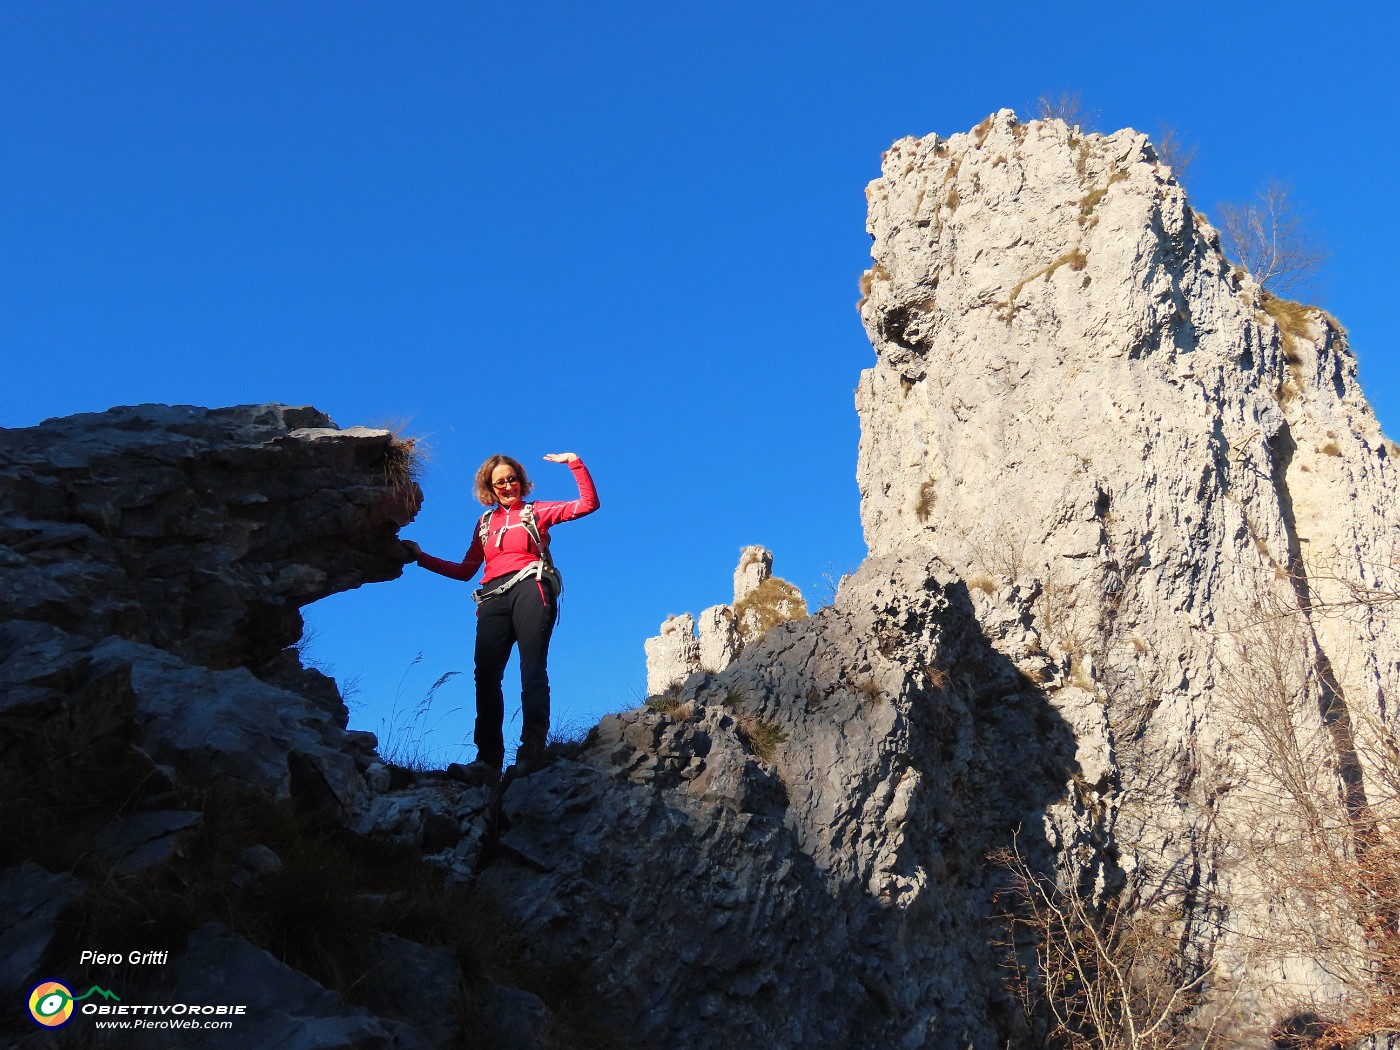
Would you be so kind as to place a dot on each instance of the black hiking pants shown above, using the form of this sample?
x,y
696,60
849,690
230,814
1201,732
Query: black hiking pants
x,y
523,616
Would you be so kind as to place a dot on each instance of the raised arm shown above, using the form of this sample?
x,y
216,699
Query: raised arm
x,y
550,513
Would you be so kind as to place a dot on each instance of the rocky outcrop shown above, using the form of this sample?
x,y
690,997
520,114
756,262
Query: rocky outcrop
x,y
154,554
194,531
1152,474
792,851
1173,516
810,828
673,655
685,647
153,561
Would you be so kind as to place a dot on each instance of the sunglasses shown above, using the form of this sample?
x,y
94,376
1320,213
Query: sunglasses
x,y
506,482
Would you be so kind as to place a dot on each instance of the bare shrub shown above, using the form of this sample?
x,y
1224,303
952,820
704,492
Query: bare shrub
x,y
1175,152
1065,105
1001,553
1270,240
828,583
1323,816
1103,976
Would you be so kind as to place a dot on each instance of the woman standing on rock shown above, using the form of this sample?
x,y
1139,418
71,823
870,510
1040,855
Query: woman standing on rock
x,y
517,603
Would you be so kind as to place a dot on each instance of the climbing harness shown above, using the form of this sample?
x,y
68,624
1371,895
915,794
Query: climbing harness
x,y
542,569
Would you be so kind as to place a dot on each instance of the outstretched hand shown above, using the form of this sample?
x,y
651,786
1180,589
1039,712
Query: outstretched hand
x,y
561,457
409,550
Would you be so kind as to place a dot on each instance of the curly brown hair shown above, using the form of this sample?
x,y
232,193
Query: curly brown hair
x,y
485,493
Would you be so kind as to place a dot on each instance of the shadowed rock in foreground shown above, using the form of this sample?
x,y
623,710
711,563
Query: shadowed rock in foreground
x,y
153,561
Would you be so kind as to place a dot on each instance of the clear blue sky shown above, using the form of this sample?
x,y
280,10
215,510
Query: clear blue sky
x,y
630,230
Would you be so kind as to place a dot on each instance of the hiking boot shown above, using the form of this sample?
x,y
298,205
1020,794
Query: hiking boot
x,y
529,758
479,774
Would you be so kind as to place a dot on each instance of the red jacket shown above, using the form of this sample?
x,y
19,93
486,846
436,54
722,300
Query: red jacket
x,y
509,547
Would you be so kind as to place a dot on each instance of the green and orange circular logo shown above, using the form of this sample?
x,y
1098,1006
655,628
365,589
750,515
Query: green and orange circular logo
x,y
51,1004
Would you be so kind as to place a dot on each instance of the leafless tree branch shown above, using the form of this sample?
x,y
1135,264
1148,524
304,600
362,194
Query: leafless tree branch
x,y
1269,240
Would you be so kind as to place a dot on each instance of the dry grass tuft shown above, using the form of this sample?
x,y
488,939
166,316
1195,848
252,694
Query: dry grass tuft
x,y
1294,319
406,457
668,702
869,691
404,462
1075,260
936,675
982,583
867,280
762,737
772,602
1079,675
923,508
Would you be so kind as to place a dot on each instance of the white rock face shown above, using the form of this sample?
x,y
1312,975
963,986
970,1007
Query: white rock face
x,y
1148,472
755,566
673,655
1130,601
719,640
683,649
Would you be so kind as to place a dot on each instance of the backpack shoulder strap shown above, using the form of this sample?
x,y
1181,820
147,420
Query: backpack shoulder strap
x,y
544,568
527,518
483,527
